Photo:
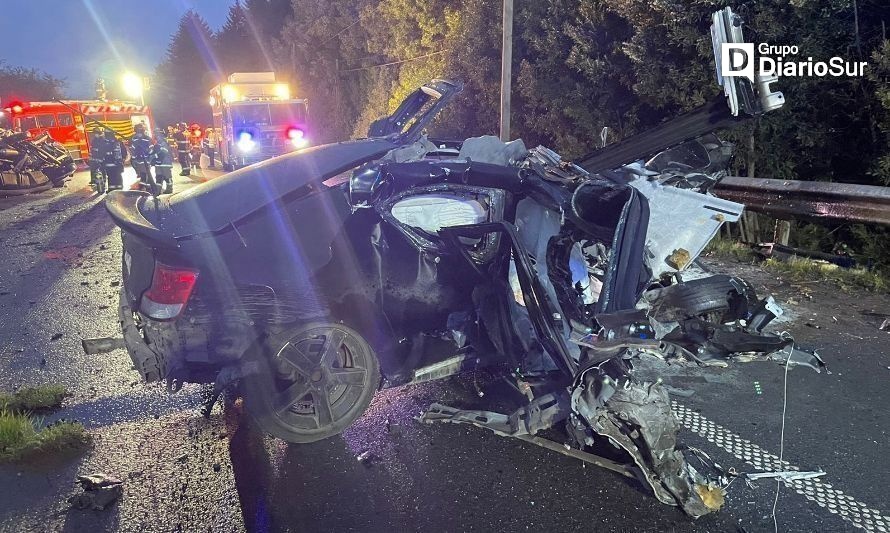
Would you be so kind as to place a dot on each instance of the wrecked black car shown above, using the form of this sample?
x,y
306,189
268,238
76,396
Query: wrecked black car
x,y
316,278
30,165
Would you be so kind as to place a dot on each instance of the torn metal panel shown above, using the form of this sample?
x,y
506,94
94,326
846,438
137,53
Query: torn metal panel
x,y
637,418
541,413
681,220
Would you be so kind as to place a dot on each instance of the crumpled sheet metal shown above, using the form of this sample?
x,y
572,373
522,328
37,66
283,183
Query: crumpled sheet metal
x,y
637,417
541,413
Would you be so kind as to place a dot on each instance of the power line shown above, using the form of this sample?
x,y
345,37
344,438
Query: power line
x,y
396,62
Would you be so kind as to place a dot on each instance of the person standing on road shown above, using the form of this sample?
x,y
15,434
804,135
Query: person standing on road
x,y
180,135
140,144
195,142
161,159
97,154
210,141
113,160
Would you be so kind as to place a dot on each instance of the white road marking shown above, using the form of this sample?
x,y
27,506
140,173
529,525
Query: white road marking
x,y
823,494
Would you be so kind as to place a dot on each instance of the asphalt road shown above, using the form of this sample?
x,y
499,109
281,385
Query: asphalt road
x,y
58,274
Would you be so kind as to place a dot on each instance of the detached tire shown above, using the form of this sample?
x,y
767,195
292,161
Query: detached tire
x,y
707,296
313,381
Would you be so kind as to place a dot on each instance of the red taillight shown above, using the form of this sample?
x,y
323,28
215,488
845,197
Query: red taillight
x,y
169,292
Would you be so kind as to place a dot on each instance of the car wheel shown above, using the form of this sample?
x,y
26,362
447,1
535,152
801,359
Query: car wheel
x,y
311,382
715,298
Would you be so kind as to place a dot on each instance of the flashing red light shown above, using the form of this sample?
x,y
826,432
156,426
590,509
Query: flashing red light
x,y
295,133
15,107
196,133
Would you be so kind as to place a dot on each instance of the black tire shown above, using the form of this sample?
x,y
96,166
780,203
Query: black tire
x,y
311,382
700,296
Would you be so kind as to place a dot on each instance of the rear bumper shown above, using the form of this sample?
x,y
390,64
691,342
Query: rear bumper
x,y
189,350
150,365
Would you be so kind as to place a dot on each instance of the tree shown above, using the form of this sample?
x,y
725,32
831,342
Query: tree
x,y
27,84
237,48
189,70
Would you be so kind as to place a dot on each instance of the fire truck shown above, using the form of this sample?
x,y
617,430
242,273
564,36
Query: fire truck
x,y
72,129
256,118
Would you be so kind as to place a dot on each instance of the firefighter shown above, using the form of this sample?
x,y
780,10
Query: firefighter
x,y
210,142
161,159
140,144
113,160
195,146
97,142
181,136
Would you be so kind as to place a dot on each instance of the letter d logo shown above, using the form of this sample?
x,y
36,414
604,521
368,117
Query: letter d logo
x,y
737,60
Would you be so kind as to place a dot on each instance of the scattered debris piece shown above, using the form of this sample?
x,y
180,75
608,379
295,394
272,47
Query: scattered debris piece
x,y
217,467
757,389
786,475
813,325
115,283
885,325
99,491
364,457
182,458
101,345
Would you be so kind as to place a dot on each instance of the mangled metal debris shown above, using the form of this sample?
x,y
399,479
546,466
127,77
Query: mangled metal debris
x,y
99,492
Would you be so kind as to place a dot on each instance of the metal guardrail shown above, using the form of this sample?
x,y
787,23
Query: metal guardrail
x,y
809,199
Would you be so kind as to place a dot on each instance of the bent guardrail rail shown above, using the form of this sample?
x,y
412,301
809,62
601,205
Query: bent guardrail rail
x,y
815,200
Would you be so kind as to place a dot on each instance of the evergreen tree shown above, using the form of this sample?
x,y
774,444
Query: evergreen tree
x,y
184,79
18,83
237,48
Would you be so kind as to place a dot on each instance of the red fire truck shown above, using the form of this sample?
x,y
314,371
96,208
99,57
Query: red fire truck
x,y
255,118
72,129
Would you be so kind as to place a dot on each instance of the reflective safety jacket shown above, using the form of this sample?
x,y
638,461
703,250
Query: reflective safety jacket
x,y
140,146
182,142
96,146
160,155
112,155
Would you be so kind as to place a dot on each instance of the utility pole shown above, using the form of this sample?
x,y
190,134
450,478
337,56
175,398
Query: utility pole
x,y
506,69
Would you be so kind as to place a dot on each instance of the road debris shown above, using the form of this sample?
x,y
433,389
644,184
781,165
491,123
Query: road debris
x,y
365,457
786,475
99,492
885,325
101,345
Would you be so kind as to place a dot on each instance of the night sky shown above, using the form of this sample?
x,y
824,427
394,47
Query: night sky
x,y
81,40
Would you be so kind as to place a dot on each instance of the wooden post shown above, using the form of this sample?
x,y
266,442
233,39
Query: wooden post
x,y
506,68
783,232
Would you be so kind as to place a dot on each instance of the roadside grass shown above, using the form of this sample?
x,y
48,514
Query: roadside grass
x,y
729,249
23,435
802,269
40,398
